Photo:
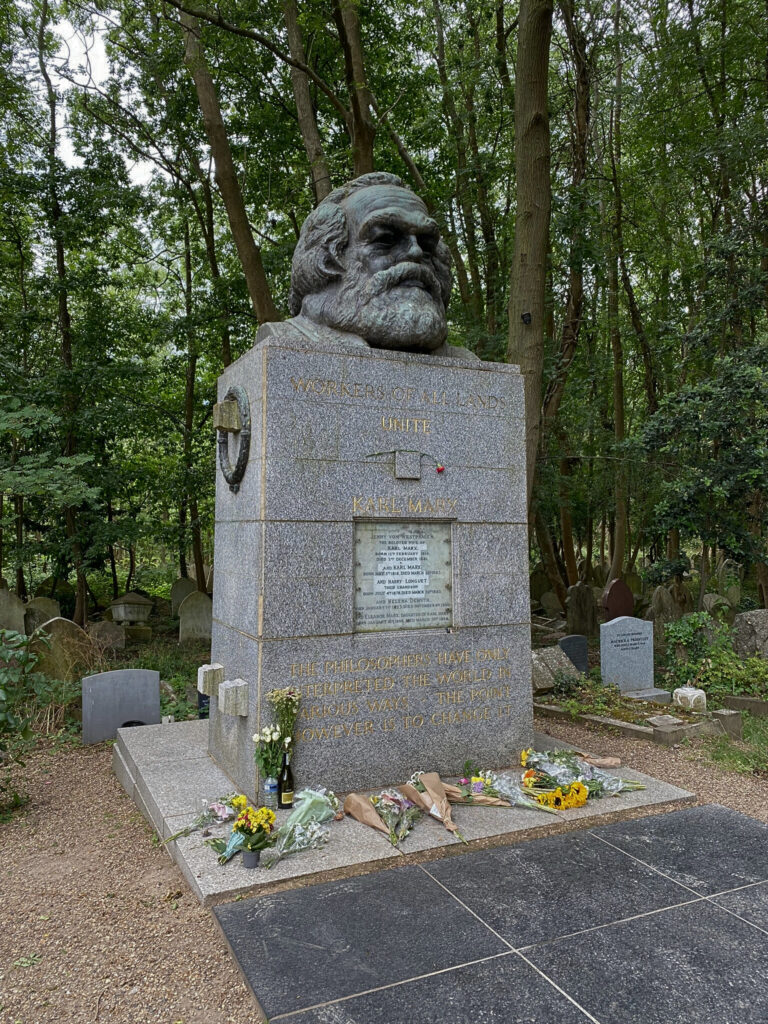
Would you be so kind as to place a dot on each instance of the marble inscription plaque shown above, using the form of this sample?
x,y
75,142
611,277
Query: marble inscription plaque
x,y
403,575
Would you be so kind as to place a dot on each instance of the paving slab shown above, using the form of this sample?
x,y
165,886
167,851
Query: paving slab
x,y
749,903
693,964
531,892
298,949
503,990
709,849
575,930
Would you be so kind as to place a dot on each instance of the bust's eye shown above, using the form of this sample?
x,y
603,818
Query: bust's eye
x,y
384,236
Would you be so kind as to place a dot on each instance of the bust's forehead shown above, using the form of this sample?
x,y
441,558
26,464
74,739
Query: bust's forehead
x,y
384,201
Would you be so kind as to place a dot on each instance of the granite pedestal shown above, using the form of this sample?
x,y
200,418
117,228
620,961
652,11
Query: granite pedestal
x,y
373,554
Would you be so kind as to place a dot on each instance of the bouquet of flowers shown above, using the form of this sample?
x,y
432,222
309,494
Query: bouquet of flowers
x,y
388,811
304,828
285,707
252,830
550,770
270,743
509,789
214,813
397,812
427,791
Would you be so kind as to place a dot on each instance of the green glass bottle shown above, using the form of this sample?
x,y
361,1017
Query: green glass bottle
x,y
285,784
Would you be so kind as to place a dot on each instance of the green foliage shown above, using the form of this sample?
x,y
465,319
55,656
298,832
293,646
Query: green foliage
x,y
18,682
748,757
664,569
700,653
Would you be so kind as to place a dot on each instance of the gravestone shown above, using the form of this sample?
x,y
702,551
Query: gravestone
x,y
183,587
195,618
11,611
40,610
107,636
581,611
626,654
209,582
371,539
550,602
618,600
719,608
660,612
539,584
634,582
750,633
576,648
113,699
69,649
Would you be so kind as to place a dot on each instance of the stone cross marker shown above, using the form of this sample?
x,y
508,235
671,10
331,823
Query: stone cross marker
x,y
626,653
113,699
371,537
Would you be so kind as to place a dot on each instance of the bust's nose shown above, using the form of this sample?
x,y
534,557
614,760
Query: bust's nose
x,y
413,249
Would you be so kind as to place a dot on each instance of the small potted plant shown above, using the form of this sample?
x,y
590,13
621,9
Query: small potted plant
x,y
256,827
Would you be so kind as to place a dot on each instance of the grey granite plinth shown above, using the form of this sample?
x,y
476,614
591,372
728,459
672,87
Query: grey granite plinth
x,y
339,439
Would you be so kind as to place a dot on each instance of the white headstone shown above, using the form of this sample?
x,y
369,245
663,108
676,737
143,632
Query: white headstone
x,y
626,653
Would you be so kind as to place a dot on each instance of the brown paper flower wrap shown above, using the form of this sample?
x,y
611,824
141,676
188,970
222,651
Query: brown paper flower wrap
x,y
433,801
361,809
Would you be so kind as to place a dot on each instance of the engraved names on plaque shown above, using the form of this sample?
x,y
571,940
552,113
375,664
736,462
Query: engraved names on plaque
x,y
403,575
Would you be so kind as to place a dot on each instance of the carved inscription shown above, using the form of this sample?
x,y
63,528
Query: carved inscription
x,y
415,690
403,575
410,397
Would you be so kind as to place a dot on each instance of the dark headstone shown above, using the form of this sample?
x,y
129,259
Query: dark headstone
x,y
114,700
575,647
581,610
618,600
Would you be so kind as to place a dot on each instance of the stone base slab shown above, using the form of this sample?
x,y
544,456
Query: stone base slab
x,y
166,770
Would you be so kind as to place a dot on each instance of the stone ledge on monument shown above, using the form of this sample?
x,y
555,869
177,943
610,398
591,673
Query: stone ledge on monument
x,y
233,697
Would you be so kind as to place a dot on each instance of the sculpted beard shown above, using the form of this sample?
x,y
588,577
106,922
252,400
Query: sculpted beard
x,y
401,307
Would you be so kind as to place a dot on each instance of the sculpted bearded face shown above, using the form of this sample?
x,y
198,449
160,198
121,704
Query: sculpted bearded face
x,y
370,262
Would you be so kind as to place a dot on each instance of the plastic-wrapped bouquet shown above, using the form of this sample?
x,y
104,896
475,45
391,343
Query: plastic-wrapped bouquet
x,y
510,790
550,770
304,829
397,812
216,812
252,829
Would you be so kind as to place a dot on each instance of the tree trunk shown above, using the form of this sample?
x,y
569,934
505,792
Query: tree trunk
x,y
21,586
226,176
574,303
548,556
70,398
318,165
528,276
566,526
360,123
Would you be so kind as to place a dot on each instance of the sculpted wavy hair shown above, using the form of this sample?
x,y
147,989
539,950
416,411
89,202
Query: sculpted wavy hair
x,y
317,259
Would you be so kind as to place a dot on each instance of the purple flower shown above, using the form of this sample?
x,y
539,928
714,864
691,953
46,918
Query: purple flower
x,y
477,787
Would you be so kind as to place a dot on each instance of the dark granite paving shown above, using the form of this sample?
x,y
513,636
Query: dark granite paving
x,y
653,921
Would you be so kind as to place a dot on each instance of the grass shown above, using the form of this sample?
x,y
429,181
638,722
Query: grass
x,y
748,756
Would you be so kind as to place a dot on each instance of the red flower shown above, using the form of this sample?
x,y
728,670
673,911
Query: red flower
x,y
440,469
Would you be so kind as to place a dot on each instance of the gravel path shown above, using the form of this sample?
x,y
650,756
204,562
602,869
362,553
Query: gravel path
x,y
96,923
